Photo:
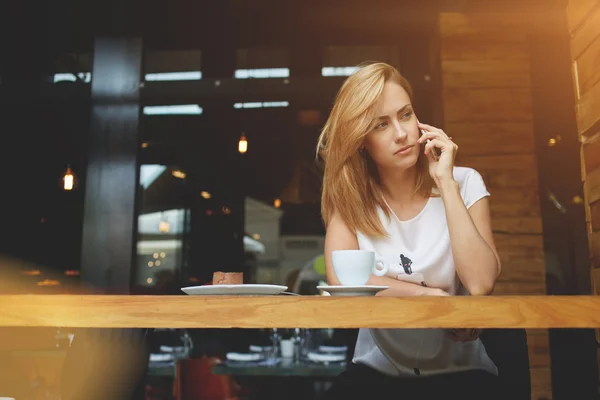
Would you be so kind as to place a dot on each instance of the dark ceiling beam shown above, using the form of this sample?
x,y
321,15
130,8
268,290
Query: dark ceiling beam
x,y
298,91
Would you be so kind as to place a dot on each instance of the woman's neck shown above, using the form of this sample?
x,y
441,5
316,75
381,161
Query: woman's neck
x,y
399,186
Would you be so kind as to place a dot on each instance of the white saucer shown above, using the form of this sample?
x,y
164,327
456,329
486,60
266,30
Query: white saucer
x,y
360,290
244,356
333,349
234,290
326,358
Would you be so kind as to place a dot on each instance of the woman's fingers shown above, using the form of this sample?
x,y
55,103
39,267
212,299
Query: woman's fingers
x,y
429,128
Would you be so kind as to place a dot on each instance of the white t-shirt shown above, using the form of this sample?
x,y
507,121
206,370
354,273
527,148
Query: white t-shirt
x,y
418,250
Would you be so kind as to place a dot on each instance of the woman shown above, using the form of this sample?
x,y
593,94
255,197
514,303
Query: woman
x,y
385,190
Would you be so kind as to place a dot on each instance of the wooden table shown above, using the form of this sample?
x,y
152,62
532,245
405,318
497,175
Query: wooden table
x,y
113,311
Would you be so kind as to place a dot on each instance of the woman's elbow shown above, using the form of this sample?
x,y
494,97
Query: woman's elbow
x,y
482,288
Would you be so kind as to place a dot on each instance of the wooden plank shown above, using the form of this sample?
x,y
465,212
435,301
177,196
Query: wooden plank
x,y
485,73
509,162
595,216
522,269
491,105
504,171
586,34
514,288
541,386
591,151
498,138
596,280
578,11
594,241
499,210
520,243
474,48
591,186
527,195
538,346
587,109
588,72
535,312
522,257
527,271
518,225
487,26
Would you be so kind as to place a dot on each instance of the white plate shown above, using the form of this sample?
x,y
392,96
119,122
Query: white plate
x,y
260,349
333,349
244,356
161,357
361,290
234,290
326,358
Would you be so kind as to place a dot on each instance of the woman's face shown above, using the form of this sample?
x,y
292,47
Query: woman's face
x,y
392,139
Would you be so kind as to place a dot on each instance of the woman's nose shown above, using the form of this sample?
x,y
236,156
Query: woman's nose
x,y
400,133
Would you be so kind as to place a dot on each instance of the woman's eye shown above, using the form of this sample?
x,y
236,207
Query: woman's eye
x,y
381,125
407,115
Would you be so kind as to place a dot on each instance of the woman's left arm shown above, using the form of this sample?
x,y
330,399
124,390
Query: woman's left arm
x,y
475,256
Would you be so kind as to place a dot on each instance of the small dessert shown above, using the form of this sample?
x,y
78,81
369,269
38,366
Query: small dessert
x,y
228,278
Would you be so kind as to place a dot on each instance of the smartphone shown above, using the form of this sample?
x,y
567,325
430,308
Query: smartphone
x,y
434,152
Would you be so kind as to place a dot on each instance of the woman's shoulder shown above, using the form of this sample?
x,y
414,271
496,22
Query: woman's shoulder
x,y
471,184
462,174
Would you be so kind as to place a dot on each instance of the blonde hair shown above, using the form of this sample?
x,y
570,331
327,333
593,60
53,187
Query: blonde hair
x,y
351,185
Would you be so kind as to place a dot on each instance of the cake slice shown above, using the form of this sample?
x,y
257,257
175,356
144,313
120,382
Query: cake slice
x,y
228,278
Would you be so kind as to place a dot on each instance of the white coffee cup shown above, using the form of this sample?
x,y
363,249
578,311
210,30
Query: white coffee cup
x,y
354,267
287,348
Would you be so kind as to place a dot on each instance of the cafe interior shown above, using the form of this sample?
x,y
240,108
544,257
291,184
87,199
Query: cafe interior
x,y
150,145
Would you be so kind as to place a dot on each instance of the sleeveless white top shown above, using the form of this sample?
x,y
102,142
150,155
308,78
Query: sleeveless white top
x,y
418,251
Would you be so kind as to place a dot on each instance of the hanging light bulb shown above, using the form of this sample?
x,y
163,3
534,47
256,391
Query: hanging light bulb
x,y
243,144
68,179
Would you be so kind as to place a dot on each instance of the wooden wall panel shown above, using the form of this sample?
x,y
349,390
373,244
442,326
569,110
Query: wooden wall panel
x,y
506,137
591,150
587,108
588,73
578,10
584,25
584,34
487,101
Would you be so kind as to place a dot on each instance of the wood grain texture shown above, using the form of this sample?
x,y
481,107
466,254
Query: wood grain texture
x,y
504,171
493,104
594,241
488,111
591,152
596,280
478,138
586,33
487,26
578,11
587,109
594,216
520,288
485,73
516,225
588,73
541,383
591,186
299,311
538,345
477,48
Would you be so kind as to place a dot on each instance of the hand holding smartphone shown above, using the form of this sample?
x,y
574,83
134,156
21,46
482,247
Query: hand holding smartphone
x,y
434,153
